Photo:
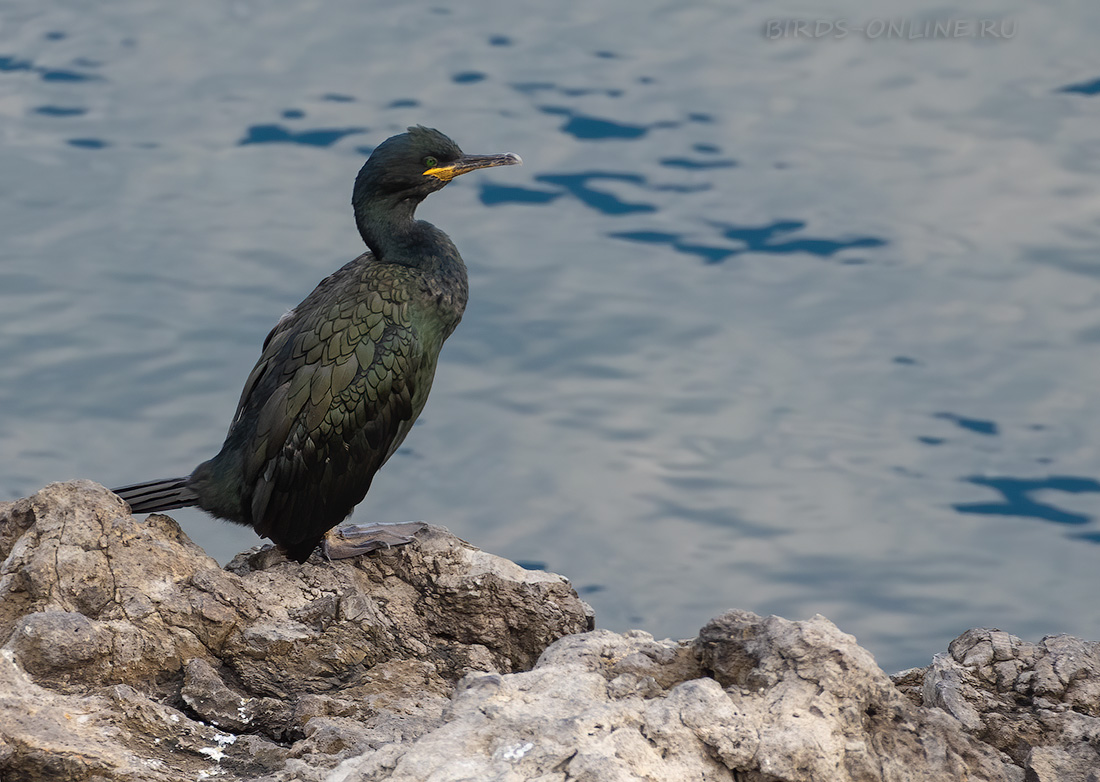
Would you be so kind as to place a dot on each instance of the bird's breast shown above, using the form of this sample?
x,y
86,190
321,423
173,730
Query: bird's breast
x,y
442,298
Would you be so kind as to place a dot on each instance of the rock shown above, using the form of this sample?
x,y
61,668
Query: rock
x,y
1054,764
839,717
128,654
1037,703
751,699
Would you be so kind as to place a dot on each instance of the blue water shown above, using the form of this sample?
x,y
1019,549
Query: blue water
x,y
797,325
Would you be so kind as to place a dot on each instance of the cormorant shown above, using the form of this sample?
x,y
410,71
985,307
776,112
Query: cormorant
x,y
342,376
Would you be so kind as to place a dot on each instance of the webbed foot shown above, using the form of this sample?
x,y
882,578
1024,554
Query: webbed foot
x,y
353,540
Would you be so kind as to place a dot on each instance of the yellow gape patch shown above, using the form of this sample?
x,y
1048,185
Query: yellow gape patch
x,y
445,173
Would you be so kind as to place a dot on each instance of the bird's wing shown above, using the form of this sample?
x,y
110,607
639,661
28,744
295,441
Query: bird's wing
x,y
328,401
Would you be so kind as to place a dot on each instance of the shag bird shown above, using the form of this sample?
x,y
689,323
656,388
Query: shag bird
x,y
342,376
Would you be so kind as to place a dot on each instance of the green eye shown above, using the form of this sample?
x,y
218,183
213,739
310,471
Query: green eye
x,y
430,162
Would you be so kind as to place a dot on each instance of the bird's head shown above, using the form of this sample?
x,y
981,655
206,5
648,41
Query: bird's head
x,y
414,164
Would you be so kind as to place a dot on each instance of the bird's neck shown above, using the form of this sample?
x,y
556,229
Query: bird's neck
x,y
394,235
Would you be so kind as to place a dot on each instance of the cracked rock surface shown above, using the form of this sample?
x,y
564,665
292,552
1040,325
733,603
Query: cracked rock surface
x,y
1037,703
128,654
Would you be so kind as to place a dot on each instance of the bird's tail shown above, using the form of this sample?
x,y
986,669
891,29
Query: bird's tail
x,y
153,496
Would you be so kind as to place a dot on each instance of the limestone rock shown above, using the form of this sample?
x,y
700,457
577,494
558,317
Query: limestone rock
x,y
128,654
751,699
1037,703
841,718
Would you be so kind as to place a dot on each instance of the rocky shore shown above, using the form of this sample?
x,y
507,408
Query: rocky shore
x,y
129,654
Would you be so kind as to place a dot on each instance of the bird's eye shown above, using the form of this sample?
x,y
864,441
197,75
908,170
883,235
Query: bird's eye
x,y
430,162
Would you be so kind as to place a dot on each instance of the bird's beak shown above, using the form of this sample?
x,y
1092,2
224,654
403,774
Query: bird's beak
x,y
468,163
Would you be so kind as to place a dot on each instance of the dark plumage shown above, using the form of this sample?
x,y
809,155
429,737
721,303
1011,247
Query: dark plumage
x,y
342,376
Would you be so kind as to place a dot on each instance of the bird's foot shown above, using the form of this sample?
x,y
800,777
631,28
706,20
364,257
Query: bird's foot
x,y
354,540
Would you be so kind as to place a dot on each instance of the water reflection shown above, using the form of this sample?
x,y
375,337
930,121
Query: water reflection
x,y
699,165
583,126
279,134
87,143
535,87
602,201
977,425
9,64
60,111
1017,499
754,239
1083,88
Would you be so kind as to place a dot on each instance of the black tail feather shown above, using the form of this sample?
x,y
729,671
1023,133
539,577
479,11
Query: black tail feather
x,y
153,496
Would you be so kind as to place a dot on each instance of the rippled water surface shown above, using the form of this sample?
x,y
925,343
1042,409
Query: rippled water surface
x,y
798,325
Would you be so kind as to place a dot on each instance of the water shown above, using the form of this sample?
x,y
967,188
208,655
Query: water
x,y
798,325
